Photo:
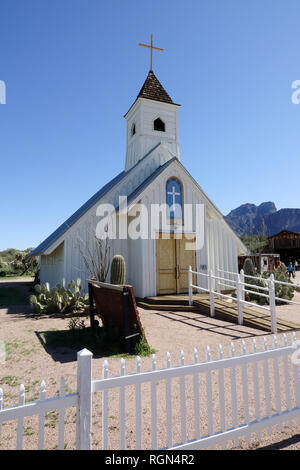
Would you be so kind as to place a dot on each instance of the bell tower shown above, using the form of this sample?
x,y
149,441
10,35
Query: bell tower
x,y
152,119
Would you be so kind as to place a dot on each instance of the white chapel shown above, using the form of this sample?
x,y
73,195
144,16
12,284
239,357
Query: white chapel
x,y
153,176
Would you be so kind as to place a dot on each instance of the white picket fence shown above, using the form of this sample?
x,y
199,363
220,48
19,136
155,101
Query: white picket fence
x,y
40,408
231,383
239,285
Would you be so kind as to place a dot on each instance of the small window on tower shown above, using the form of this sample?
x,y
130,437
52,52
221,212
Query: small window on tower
x,y
159,125
133,129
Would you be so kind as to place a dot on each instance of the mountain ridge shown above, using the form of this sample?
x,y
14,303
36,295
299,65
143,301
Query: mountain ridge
x,y
251,219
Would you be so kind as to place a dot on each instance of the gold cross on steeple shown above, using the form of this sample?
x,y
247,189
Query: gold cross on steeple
x,y
151,47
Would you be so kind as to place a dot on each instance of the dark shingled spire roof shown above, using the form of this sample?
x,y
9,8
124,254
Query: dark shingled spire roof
x,y
153,90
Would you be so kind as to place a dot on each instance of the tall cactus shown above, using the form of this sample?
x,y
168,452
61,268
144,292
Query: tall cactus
x,y
118,270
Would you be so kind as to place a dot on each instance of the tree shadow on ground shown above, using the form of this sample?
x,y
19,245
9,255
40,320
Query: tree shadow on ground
x,y
63,345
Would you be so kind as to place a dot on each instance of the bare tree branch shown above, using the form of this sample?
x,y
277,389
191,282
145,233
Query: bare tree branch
x,y
96,261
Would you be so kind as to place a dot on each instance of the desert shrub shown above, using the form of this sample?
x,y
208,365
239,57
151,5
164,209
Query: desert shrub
x,y
6,271
16,262
255,242
282,291
249,270
76,323
142,348
59,299
23,264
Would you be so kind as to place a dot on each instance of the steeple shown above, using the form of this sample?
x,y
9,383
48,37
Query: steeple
x,y
153,90
151,120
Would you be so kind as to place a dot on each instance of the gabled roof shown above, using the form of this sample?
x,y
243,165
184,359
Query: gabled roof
x,y
153,90
42,247
79,213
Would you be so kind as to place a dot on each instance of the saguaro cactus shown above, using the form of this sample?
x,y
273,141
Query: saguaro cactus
x,y
118,270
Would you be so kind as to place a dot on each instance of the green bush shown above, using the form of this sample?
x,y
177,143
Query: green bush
x,y
251,297
142,348
59,299
282,291
17,263
6,271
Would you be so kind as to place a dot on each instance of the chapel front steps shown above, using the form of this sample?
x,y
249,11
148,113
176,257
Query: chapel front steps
x,y
223,311
171,302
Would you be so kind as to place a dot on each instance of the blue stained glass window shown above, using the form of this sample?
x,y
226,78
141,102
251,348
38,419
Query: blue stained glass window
x,y
174,199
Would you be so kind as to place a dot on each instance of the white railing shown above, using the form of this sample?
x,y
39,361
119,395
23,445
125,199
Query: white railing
x,y
193,406
289,284
241,287
40,408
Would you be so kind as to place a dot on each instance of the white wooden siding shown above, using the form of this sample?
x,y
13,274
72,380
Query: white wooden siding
x,y
140,255
52,266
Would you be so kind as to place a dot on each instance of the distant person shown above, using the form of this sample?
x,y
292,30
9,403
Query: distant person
x,y
296,265
290,270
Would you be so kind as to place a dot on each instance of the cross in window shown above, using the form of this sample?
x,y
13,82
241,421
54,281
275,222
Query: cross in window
x,y
173,194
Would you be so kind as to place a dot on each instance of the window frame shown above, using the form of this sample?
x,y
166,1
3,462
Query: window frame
x,y
175,220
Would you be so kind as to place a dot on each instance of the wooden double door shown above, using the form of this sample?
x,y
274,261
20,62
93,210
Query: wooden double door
x,y
172,264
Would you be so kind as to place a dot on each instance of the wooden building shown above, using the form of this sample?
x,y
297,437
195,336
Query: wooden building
x,y
286,244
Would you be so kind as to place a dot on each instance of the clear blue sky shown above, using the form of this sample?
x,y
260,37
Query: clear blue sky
x,y
73,68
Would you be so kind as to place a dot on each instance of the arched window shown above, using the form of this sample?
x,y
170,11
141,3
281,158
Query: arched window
x,y
174,199
159,125
133,129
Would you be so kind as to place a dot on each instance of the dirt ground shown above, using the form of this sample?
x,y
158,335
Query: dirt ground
x,y
29,362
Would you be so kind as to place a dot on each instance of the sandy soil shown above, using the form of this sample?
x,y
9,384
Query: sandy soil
x,y
28,362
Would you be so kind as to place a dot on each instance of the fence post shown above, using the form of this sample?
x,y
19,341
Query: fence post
x,y
242,279
218,286
84,408
190,278
271,284
211,294
239,296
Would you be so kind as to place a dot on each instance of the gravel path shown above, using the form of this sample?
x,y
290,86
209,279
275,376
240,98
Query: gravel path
x,y
28,362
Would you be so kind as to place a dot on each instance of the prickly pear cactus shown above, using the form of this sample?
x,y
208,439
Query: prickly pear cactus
x,y
118,270
59,299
